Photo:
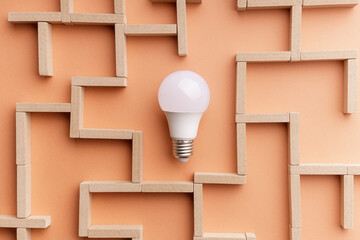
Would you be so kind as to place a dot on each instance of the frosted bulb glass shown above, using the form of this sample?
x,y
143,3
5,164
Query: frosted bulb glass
x,y
183,96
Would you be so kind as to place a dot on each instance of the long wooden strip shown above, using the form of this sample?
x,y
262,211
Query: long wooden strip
x,y
240,87
34,17
23,138
85,209
150,30
241,148
319,169
115,231
294,201
97,18
77,111
9,221
351,75
45,49
120,50
294,139
181,27
106,134
168,187
198,210
263,118
137,156
43,107
219,178
330,3
347,201
295,32
113,186
23,191
99,81
263,56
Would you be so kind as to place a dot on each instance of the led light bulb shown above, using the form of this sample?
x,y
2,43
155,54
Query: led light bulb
x,y
183,96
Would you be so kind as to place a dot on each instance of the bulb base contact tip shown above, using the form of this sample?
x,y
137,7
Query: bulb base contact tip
x,y
182,149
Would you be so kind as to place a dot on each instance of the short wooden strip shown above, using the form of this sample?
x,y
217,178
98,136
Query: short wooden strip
x,y
77,111
23,191
85,209
198,210
241,148
294,139
99,81
115,231
9,221
222,236
240,87
273,3
181,27
330,3
120,50
263,56
97,18
172,1
137,156
347,201
328,55
150,29
23,138
295,32
168,187
263,118
113,186
353,169
319,169
294,200
351,75
106,134
219,178
34,17
43,107
23,234
67,7
45,49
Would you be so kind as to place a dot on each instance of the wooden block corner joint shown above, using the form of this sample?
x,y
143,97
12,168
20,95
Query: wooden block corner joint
x,y
67,7
219,178
347,201
137,156
45,49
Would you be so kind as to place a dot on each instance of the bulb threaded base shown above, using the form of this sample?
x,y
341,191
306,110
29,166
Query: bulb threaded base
x,y
182,149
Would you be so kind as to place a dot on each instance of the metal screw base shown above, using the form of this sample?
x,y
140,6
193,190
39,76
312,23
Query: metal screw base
x,y
182,149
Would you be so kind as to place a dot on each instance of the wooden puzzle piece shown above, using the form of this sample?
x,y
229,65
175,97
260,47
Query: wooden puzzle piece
x,y
295,32
351,76
113,186
198,210
23,138
263,118
43,107
99,82
137,156
347,201
45,49
294,139
167,187
319,169
150,30
77,111
23,191
115,231
9,221
219,178
283,56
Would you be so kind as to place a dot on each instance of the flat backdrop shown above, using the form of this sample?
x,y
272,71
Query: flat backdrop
x,y
216,31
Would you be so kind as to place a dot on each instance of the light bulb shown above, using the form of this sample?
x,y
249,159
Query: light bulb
x,y
183,96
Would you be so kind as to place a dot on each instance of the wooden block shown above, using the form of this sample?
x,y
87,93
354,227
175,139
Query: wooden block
x,y
43,107
168,187
120,6
351,75
77,111
222,236
294,139
353,169
294,201
113,186
115,231
23,138
150,30
328,55
330,3
45,49
219,178
241,148
34,17
23,191
23,234
263,118
97,18
181,27
137,156
347,201
9,221
283,56
240,87
172,1
295,233
120,50
106,134
319,169
99,82
67,7
250,236
241,5
85,209
295,32
198,210
264,4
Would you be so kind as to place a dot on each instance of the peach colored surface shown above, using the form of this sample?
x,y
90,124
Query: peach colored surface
x,y
216,31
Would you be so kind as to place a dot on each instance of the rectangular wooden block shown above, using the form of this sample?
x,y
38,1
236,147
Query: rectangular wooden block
x,y
273,3
137,156
330,3
219,178
295,32
115,231
113,186
97,18
283,56
198,210
328,55
319,169
9,221
45,49
67,7
85,209
23,191
263,118
294,201
240,87
181,27
120,50
250,236
172,1
351,76
221,236
99,81
120,6
294,139
106,134
241,148
347,201
241,5
295,233
353,169
168,187
43,107
23,234
150,30
34,17
77,111
23,138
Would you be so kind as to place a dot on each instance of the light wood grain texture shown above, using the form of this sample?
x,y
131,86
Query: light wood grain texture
x,y
241,148
45,49
99,81
347,201
283,56
67,7
113,186
97,18
263,4
351,78
319,169
198,210
172,1
353,169
137,156
328,55
241,5
240,87
219,178
34,17
77,111
115,231
23,191
294,139
120,6
9,221
106,134
23,234
222,236
168,187
150,30
250,236
120,50
43,107
295,32
23,138
295,233
181,27
263,118
330,3
85,209
294,201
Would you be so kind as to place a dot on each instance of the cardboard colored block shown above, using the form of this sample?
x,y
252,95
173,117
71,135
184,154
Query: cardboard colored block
x,y
120,50
23,234
85,209
283,56
115,231
294,201
77,111
150,30
97,18
23,191
137,156
295,32
263,4
43,107
198,210
120,6
353,169
241,5
250,236
240,87
9,221
23,138
34,17
319,169
113,186
106,134
328,55
263,118
330,3
99,81
172,1
219,178
294,139
181,27
222,236
241,148
45,49
347,201
67,7
351,78
168,187
295,233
